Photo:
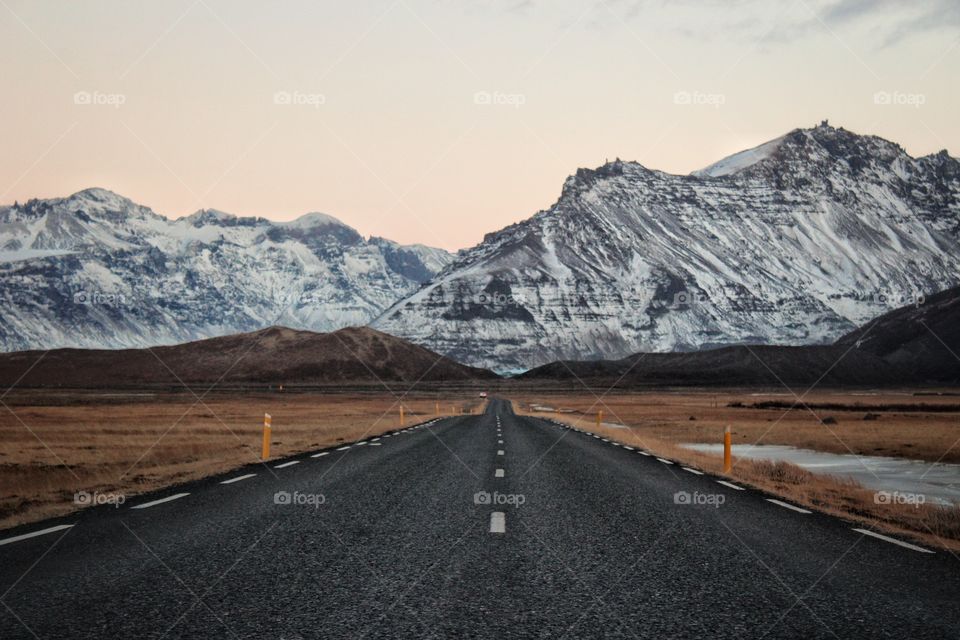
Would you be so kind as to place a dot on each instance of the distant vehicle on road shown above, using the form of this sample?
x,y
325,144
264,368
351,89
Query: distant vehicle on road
x,y
483,394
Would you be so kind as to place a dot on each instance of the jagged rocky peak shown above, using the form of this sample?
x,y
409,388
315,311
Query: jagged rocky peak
x,y
312,220
813,151
210,217
100,198
92,202
585,179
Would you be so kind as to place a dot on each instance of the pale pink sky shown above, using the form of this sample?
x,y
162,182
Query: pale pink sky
x,y
438,121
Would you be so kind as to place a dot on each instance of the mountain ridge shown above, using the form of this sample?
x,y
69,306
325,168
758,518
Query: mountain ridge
x,y
95,269
799,247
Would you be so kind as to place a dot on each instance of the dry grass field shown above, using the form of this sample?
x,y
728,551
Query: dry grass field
x,y
58,443
857,423
660,422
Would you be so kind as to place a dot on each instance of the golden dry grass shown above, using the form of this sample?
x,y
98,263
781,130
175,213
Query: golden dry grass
x,y
663,424
56,444
690,416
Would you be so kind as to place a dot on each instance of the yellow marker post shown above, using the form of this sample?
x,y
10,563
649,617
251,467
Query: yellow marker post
x,y
599,418
267,423
727,458
401,415
436,408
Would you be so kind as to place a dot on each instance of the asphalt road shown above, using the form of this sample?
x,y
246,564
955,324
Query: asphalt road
x,y
390,539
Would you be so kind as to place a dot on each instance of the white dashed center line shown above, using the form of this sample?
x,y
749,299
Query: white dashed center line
x,y
343,448
321,454
238,478
500,452
287,464
787,505
628,448
147,505
499,441
498,522
643,453
880,536
730,484
34,534
498,473
664,461
694,471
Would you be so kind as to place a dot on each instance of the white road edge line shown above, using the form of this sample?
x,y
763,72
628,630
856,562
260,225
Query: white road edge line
x,y
644,453
628,448
498,522
787,505
901,543
730,484
498,473
694,471
321,454
287,464
238,478
146,505
34,534
664,461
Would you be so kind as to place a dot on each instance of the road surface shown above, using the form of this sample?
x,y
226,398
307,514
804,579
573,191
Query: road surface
x,y
490,526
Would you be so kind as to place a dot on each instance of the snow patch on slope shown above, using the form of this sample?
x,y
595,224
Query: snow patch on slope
x,y
739,161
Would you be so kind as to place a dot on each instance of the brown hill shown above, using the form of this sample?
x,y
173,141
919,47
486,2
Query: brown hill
x,y
276,355
730,366
922,340
916,344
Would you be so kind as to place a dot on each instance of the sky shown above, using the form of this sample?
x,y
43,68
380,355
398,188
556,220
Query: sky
x,y
437,121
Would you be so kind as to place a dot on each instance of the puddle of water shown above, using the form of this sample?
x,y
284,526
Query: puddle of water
x,y
940,483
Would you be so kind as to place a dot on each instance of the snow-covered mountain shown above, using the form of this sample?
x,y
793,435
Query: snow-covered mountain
x,y
97,270
797,241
